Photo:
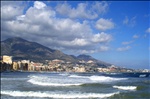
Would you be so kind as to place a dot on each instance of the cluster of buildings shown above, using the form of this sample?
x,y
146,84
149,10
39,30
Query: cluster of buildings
x,y
7,64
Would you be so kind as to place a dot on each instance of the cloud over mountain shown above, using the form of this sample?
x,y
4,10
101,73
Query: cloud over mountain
x,y
41,23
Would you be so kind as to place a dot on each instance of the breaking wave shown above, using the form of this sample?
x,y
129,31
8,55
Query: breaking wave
x,y
69,80
53,81
76,76
105,79
52,84
64,74
99,78
69,95
126,87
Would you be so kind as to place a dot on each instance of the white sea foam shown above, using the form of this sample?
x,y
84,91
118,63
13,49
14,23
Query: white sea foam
x,y
105,79
126,87
76,76
54,81
42,83
72,80
68,95
98,78
142,75
38,76
64,74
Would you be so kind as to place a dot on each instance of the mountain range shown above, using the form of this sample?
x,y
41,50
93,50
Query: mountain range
x,y
21,49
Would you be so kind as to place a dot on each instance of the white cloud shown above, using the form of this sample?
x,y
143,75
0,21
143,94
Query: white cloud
x,y
82,10
100,7
9,10
101,37
39,5
80,42
104,24
40,24
76,42
130,22
21,17
86,51
123,48
136,36
148,30
126,43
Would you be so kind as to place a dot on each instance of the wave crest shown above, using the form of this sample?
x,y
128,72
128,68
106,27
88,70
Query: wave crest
x,y
71,95
105,79
126,87
70,80
52,81
51,84
76,76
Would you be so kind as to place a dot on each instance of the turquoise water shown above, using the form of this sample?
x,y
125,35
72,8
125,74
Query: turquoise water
x,y
35,85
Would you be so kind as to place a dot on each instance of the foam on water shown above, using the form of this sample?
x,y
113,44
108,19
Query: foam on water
x,y
126,87
38,76
54,81
76,76
69,95
105,79
98,78
142,75
52,84
64,74
70,80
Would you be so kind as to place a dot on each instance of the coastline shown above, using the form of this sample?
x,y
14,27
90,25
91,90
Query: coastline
x,y
110,74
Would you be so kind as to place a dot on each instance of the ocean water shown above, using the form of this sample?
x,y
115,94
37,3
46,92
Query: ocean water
x,y
44,85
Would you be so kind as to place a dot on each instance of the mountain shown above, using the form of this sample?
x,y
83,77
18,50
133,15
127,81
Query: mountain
x,y
22,49
97,62
86,57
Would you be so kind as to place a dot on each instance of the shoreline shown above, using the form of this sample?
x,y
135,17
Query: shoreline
x,y
109,74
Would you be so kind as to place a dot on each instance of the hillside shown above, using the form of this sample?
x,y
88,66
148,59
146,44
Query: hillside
x,y
22,49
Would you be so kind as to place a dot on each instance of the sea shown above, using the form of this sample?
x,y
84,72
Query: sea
x,y
54,85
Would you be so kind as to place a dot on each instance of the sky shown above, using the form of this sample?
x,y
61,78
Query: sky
x,y
116,32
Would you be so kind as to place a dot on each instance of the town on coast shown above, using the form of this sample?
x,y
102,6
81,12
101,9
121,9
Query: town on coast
x,y
57,65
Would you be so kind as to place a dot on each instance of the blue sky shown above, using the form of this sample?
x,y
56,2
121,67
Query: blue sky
x,y
116,32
